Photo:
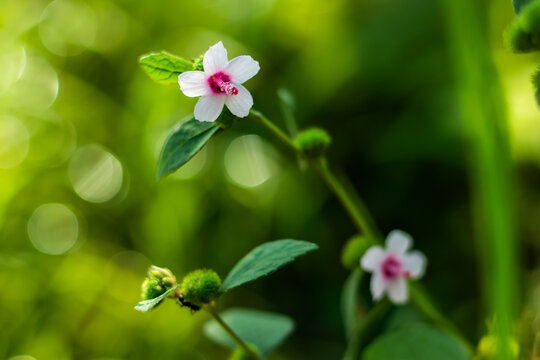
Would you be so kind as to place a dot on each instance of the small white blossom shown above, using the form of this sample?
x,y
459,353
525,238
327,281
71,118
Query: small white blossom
x,y
220,84
393,266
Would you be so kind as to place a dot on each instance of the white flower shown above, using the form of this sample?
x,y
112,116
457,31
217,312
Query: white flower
x,y
393,266
220,84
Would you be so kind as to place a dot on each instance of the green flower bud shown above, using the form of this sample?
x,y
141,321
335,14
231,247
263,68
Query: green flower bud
x,y
524,34
536,83
518,40
151,288
489,344
529,18
200,287
162,274
158,281
313,141
240,354
353,251
198,63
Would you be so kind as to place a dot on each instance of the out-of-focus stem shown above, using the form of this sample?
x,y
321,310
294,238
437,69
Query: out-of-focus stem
x,y
235,337
359,337
485,126
425,305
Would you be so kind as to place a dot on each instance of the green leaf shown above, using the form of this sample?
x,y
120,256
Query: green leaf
x,y
416,342
403,316
164,68
183,143
349,302
288,105
288,108
148,305
265,330
264,260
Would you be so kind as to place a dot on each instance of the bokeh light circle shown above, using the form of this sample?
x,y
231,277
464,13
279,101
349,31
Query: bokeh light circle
x,y
53,228
95,173
38,86
12,64
249,161
14,139
67,27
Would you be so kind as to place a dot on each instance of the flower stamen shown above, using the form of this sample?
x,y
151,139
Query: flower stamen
x,y
391,268
220,83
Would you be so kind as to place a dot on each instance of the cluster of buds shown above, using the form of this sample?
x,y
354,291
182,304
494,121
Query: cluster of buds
x,y
158,281
197,288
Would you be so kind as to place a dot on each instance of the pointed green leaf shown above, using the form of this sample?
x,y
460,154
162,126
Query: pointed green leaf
x,y
264,260
148,305
349,302
288,107
183,143
164,68
265,330
416,342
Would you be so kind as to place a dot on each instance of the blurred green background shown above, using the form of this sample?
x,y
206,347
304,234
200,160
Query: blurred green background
x,y
81,126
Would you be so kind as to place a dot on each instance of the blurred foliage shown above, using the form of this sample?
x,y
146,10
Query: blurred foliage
x,y
82,217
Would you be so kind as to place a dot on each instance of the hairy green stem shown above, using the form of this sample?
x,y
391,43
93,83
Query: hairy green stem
x,y
356,209
362,220
277,132
232,334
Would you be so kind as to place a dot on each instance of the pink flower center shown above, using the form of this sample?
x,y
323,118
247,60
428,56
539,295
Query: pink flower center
x,y
220,84
391,268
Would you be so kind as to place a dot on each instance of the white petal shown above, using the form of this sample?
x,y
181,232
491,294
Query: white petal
x,y
241,103
215,59
209,107
372,258
242,68
193,83
415,263
377,286
398,292
398,242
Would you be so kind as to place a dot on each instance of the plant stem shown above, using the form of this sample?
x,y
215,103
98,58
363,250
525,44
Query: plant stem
x,y
491,169
359,337
356,209
363,221
425,305
232,334
282,136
